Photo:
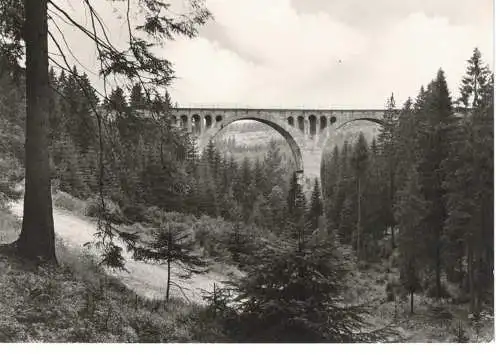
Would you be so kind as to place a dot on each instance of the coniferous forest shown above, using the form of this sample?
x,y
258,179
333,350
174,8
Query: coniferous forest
x,y
396,235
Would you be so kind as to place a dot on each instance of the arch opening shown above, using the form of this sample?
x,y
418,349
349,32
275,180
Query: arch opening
x,y
290,121
312,125
173,120
208,121
333,119
301,125
322,123
184,122
196,121
218,119
294,147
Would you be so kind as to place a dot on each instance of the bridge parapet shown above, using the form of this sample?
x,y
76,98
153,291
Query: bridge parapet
x,y
312,122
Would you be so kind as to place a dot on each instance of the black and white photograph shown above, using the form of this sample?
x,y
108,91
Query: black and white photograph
x,y
246,172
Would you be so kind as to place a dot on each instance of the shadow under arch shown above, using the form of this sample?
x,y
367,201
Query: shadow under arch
x,y
297,154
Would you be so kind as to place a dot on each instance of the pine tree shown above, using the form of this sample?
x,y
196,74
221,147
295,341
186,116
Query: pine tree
x,y
475,82
137,99
330,182
434,144
294,295
37,238
359,161
273,167
469,185
276,205
316,206
386,140
411,208
405,145
170,245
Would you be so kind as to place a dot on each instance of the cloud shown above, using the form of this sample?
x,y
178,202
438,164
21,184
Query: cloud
x,y
323,53
272,55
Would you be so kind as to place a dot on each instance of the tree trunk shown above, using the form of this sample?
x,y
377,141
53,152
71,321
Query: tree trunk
x,y
391,197
411,302
358,239
169,261
37,235
472,286
438,269
167,295
393,240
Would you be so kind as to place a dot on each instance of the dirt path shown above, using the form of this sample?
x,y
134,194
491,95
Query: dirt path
x,y
145,279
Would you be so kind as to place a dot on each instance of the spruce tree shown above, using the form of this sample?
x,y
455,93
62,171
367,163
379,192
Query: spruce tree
x,y
137,99
434,141
170,245
386,141
411,209
294,294
359,161
473,89
316,206
469,184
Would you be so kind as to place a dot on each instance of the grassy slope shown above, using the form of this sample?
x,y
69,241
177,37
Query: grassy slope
x,y
77,302
433,321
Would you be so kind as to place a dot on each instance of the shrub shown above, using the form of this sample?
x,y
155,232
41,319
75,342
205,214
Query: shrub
x,y
154,215
294,295
64,200
393,288
134,212
94,209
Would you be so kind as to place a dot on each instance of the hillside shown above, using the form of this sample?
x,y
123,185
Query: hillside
x,y
84,302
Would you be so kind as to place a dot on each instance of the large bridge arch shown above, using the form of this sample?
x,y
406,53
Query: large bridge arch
x,y
308,132
285,133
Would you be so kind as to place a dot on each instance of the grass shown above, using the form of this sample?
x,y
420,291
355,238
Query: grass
x,y
10,227
77,302
433,321
65,201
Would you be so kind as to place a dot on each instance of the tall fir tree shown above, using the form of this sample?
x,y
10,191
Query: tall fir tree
x,y
316,206
434,139
359,161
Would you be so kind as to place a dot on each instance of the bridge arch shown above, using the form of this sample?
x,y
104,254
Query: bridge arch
x,y
308,132
292,142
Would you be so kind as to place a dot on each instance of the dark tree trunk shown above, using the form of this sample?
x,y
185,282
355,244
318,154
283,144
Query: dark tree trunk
x,y
358,237
169,261
472,282
393,240
411,302
37,235
391,198
438,269
167,295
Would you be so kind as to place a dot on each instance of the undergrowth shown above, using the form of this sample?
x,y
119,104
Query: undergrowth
x,y
77,302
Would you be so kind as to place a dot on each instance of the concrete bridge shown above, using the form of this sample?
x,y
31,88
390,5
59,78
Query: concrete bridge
x,y
308,132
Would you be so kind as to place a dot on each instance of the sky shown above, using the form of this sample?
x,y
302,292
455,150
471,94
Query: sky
x,y
317,53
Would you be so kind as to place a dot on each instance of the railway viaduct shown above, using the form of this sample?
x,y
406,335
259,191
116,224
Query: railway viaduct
x,y
308,132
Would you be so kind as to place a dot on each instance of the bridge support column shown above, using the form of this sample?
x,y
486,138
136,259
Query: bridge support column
x,y
311,156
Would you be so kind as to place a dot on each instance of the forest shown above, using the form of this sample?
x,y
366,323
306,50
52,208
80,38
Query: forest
x,y
411,211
